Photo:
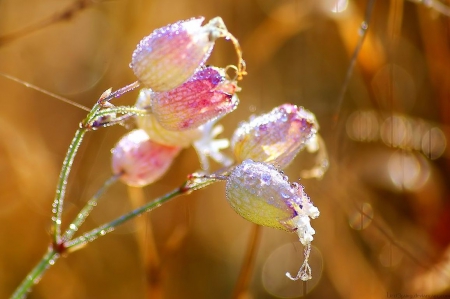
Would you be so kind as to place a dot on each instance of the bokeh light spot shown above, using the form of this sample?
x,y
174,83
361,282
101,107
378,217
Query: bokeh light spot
x,y
363,126
362,217
408,170
433,143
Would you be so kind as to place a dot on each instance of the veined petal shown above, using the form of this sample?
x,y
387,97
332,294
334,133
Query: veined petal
x,y
207,95
275,137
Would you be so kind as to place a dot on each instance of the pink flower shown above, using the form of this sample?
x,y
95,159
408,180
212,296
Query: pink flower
x,y
141,161
170,55
203,138
275,137
207,95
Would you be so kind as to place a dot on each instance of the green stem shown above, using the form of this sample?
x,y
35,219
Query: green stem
x,y
84,213
194,183
33,277
122,110
62,184
110,226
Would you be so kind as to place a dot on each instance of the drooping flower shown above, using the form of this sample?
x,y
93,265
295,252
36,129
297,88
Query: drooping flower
x,y
202,138
207,95
170,55
262,194
275,137
140,161
153,128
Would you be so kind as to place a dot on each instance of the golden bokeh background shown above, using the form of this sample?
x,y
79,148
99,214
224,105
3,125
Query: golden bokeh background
x,y
385,209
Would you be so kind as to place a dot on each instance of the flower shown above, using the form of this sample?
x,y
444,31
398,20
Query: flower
x,y
202,138
262,194
153,128
140,161
274,137
207,95
170,55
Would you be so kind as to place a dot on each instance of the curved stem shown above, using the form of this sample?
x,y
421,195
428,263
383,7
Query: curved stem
x,y
102,230
84,213
33,277
62,184
193,183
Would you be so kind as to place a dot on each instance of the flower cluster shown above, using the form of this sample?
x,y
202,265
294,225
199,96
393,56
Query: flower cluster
x,y
183,99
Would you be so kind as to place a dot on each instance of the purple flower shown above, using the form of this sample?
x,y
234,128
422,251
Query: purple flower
x,y
275,137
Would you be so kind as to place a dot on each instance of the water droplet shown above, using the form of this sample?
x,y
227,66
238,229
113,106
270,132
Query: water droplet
x,y
284,117
103,232
73,227
266,179
285,195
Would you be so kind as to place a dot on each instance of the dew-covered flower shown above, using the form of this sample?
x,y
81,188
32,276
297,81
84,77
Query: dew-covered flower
x,y
140,161
207,95
170,55
275,137
202,138
262,194
153,128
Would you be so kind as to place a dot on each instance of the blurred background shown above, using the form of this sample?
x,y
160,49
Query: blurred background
x,y
385,210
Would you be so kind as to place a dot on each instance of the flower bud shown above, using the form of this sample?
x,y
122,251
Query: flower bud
x,y
141,161
170,55
206,96
159,134
261,194
275,137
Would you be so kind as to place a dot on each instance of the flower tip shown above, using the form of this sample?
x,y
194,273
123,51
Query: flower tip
x,y
170,55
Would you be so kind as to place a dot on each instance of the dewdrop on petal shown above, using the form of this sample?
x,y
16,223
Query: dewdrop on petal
x,y
275,137
261,194
154,129
203,138
141,161
207,95
170,55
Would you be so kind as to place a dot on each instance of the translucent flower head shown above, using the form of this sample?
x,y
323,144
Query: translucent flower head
x,y
207,95
170,55
141,161
262,194
274,137
202,138
153,128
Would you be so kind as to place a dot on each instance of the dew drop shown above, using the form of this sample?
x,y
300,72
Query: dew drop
x,y
73,227
266,179
285,195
